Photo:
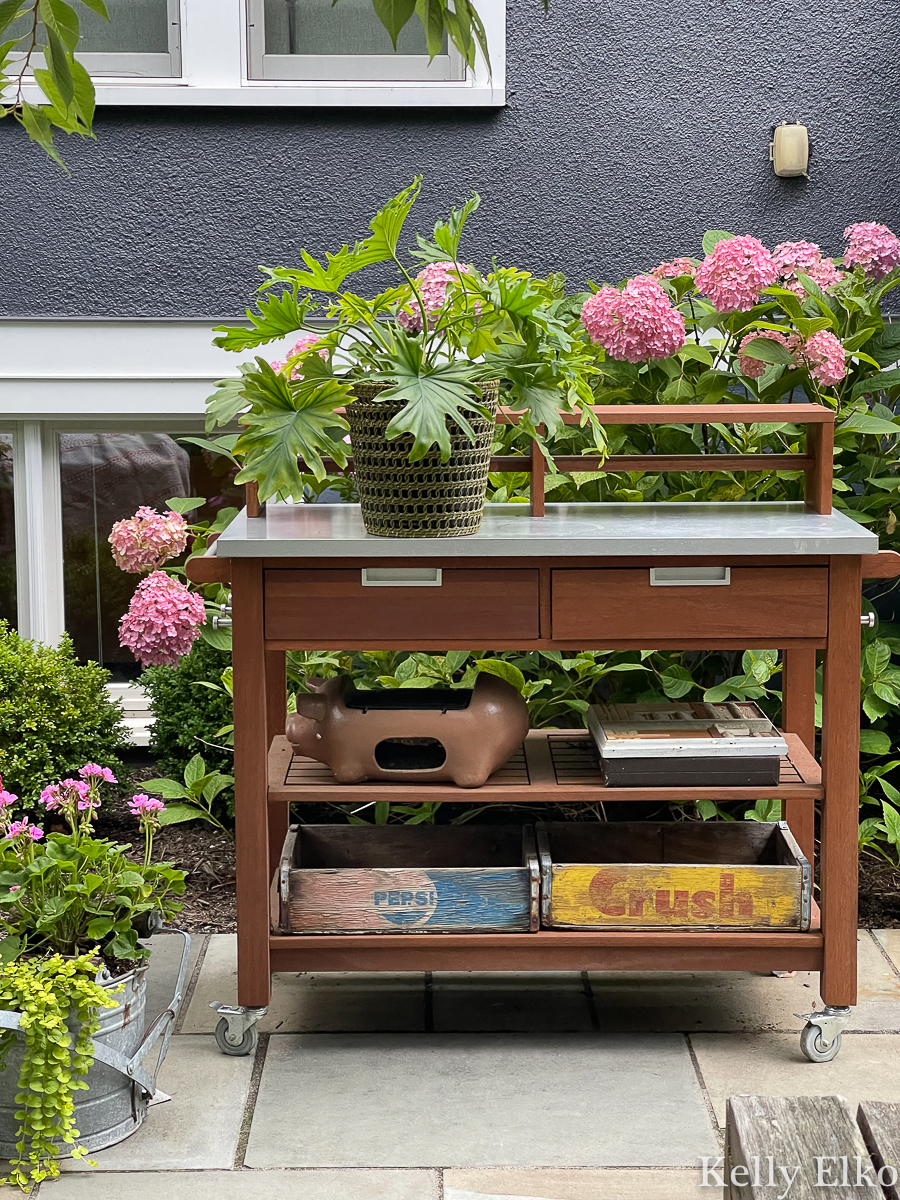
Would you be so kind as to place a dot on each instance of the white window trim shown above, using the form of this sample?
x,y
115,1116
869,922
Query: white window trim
x,y
214,58
39,540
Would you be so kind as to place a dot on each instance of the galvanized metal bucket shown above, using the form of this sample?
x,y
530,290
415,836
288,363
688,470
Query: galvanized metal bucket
x,y
120,1087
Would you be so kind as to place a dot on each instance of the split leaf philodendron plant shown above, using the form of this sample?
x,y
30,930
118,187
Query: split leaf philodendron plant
x,y
432,338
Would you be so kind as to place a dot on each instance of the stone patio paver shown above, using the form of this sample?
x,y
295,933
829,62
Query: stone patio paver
x,y
725,1001
478,1100
316,1003
505,1000
199,1127
890,939
250,1185
771,1064
164,963
610,1184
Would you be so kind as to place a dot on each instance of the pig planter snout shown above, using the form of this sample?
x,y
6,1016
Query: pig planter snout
x,y
418,735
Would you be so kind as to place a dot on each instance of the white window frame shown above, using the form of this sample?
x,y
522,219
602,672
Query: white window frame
x,y
343,67
135,65
215,72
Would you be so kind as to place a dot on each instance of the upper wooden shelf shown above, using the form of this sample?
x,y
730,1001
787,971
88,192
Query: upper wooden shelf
x,y
551,766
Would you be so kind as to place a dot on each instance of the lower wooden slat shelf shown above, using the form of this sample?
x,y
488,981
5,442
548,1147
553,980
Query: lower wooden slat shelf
x,y
552,765
550,949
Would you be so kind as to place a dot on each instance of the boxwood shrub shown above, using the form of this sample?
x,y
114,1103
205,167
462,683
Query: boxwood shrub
x,y
55,715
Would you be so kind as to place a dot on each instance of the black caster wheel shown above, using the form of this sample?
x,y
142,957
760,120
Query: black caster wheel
x,y
240,1049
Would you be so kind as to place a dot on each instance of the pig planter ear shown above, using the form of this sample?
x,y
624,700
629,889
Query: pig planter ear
x,y
414,735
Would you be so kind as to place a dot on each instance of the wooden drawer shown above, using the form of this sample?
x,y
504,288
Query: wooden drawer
x,y
676,875
750,602
336,605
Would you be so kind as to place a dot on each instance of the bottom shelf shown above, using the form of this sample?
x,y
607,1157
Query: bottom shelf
x,y
552,950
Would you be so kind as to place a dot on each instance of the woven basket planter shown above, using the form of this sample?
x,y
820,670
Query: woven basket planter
x,y
423,499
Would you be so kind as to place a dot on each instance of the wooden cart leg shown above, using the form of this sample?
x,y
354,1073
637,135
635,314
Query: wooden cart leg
x,y
840,764
276,711
798,683
250,755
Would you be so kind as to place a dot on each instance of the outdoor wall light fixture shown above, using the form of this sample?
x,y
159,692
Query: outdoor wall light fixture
x,y
789,149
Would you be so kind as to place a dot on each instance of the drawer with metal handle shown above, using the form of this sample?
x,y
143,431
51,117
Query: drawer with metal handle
x,y
384,604
677,603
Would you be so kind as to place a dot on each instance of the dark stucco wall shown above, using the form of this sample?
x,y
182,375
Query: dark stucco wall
x,y
630,129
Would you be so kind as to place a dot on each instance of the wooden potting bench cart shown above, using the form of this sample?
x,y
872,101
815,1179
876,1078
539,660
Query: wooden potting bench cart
x,y
561,577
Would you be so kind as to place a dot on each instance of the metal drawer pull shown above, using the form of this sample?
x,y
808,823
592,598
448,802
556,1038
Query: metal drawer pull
x,y
401,576
690,576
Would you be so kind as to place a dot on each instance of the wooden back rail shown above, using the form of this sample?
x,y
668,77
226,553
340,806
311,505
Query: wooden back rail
x,y
816,463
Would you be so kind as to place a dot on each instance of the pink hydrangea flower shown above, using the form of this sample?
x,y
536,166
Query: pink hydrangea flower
x,y
873,247
94,771
678,266
636,323
825,356
163,621
147,540
432,283
806,258
305,342
735,273
752,367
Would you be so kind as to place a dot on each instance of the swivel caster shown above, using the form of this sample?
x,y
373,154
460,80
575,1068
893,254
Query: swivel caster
x,y
820,1038
236,1033
241,1049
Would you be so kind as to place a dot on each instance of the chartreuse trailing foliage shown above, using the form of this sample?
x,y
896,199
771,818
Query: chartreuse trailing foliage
x,y
58,1000
32,31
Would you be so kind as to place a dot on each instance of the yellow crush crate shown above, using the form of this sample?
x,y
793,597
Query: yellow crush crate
x,y
675,875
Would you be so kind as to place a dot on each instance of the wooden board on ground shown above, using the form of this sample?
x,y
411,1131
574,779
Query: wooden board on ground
x,y
794,1146
880,1126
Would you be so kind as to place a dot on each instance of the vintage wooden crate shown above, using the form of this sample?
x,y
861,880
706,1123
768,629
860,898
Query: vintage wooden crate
x,y
675,875
407,879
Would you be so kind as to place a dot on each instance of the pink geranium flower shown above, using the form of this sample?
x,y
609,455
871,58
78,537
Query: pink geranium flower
x,y
738,269
872,247
636,323
142,805
147,540
163,621
94,771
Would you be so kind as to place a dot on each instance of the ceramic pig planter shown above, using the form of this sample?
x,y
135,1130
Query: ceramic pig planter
x,y
418,735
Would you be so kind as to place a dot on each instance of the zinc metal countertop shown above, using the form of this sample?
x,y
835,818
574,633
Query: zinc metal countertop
x,y
566,531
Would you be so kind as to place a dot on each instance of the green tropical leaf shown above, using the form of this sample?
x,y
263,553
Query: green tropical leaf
x,y
891,823
227,401
712,237
37,126
447,234
873,741
288,421
677,681
8,10
387,224
219,639
277,316
96,6
394,14
885,346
